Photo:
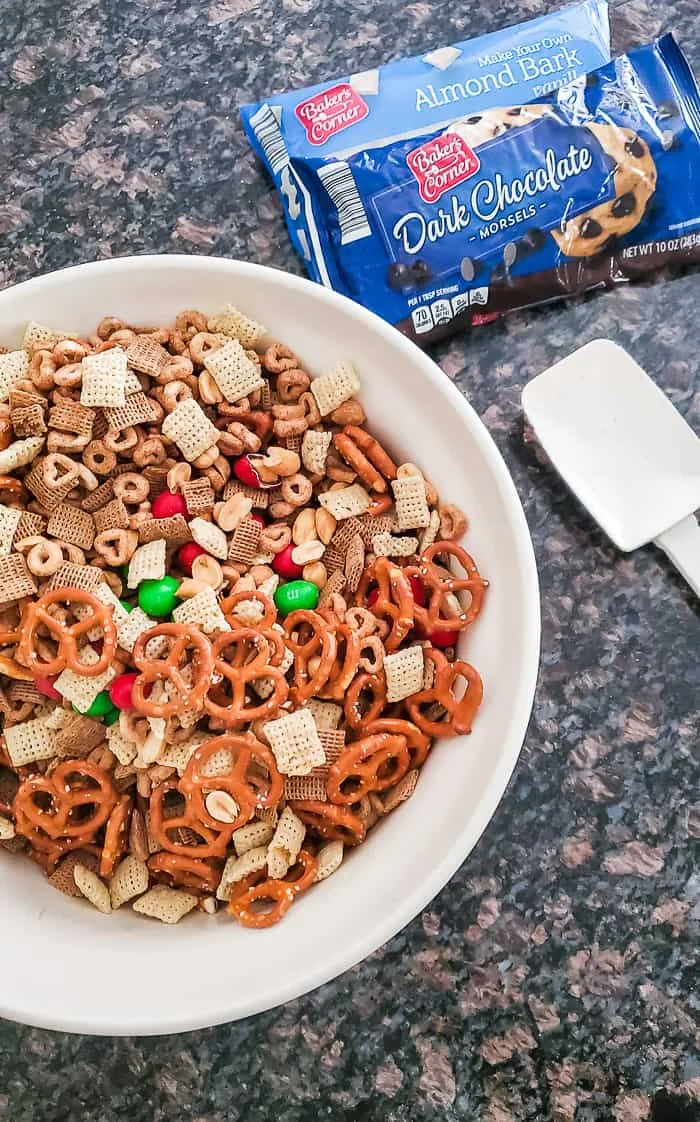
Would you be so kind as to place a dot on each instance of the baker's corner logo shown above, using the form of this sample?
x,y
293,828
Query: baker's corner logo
x,y
331,111
441,164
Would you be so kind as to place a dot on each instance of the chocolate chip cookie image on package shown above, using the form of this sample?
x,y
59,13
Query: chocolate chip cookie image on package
x,y
478,128
635,182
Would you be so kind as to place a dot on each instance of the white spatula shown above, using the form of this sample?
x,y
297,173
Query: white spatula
x,y
623,448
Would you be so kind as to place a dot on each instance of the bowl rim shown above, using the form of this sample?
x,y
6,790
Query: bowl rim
x,y
224,1009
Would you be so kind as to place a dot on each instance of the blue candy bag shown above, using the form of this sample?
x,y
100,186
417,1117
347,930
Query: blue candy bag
x,y
509,206
305,136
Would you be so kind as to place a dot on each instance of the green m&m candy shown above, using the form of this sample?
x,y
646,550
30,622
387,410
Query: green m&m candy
x,y
296,594
111,716
101,705
126,605
157,597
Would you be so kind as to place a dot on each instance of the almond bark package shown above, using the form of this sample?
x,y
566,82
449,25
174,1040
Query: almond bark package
x,y
445,227
396,124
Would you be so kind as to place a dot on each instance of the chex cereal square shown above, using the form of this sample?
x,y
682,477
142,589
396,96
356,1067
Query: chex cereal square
x,y
234,373
104,378
346,502
412,511
202,609
72,525
29,741
404,673
229,321
210,537
189,427
332,389
295,743
15,579
314,450
146,356
14,368
147,563
82,691
9,521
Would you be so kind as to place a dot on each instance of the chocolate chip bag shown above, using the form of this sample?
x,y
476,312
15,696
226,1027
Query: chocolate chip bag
x,y
304,137
510,206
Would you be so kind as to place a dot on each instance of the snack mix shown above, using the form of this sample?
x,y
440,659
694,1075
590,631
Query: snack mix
x,y
228,617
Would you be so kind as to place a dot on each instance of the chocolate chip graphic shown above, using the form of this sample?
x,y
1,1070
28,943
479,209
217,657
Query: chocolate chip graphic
x,y
515,111
398,276
469,268
474,120
590,228
635,147
421,271
533,240
510,255
666,109
626,204
592,80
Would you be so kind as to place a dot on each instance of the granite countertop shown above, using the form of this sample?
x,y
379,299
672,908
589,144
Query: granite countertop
x,y
553,978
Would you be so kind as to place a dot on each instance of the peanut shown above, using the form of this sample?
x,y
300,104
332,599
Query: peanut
x,y
308,552
228,515
282,461
316,573
325,525
207,570
304,528
222,806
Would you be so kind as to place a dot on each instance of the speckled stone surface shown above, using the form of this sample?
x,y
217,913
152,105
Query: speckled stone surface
x,y
553,978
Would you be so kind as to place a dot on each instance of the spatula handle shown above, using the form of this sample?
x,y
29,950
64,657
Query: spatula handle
x,y
681,544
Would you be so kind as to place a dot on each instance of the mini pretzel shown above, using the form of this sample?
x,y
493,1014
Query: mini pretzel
x,y
186,641
196,874
276,899
366,456
116,837
309,637
75,800
417,742
230,603
11,489
371,764
192,838
345,665
331,822
439,584
278,895
359,710
253,781
458,713
394,602
234,665
37,615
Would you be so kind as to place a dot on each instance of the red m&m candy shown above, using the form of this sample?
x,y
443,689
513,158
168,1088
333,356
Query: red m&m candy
x,y
442,639
244,471
186,554
282,563
167,504
418,591
120,690
45,686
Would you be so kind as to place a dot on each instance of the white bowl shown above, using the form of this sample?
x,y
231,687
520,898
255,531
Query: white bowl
x,y
75,970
